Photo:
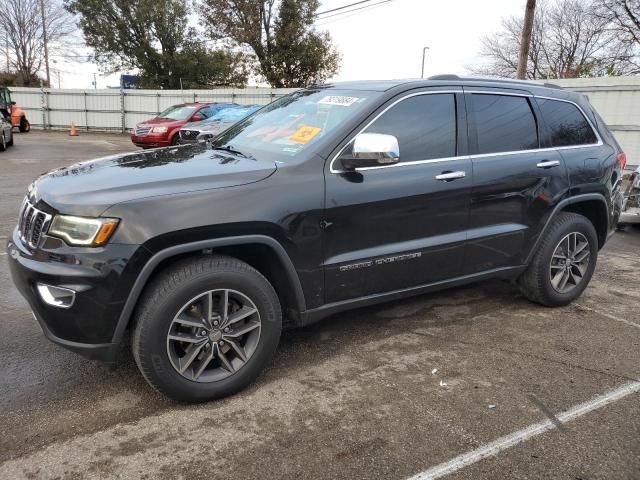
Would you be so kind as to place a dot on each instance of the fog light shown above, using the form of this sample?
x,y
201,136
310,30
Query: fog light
x,y
56,296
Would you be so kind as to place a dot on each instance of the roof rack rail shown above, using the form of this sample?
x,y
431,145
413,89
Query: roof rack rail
x,y
446,76
449,76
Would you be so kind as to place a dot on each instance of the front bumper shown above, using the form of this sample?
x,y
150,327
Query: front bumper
x,y
150,141
101,278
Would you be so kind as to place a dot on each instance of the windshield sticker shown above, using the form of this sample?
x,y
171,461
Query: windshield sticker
x,y
304,134
338,100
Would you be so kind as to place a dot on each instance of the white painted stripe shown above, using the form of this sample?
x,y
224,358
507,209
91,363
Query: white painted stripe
x,y
508,441
610,317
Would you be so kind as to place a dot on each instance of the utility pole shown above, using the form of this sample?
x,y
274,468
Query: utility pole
x,y
424,53
525,39
46,46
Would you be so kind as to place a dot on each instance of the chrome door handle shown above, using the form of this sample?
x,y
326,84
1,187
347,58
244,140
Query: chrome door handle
x,y
447,176
548,164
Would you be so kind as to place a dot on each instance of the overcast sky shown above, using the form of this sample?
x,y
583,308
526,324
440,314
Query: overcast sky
x,y
384,41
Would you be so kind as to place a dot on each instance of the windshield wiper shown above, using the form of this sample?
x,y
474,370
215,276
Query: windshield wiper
x,y
230,149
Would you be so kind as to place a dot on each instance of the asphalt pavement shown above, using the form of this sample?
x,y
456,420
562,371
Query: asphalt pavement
x,y
455,382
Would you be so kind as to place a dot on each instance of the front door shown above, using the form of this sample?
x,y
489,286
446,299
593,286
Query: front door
x,y
403,225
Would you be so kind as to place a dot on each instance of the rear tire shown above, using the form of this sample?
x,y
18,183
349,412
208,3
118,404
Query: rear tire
x,y
205,366
3,143
25,126
10,141
564,263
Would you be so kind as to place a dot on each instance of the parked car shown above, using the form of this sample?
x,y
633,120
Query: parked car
x,y
631,204
330,198
6,132
17,116
162,131
216,124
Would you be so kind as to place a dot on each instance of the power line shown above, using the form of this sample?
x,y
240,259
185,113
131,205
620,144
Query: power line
x,y
343,7
373,5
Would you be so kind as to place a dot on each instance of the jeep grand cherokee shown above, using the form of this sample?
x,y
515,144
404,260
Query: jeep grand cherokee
x,y
330,198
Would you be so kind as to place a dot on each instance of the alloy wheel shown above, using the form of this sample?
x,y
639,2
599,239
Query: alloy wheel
x,y
213,335
569,262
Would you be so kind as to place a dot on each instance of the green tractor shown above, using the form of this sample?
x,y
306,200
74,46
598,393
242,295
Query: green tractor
x,y
13,111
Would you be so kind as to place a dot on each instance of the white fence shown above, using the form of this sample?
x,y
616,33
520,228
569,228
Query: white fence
x,y
120,110
616,98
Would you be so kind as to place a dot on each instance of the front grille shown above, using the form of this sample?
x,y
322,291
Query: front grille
x,y
189,134
32,223
142,131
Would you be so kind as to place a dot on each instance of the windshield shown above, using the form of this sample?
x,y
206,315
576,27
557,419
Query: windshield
x,y
233,114
178,112
293,123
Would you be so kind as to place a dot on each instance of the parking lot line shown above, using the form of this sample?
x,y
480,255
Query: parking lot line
x,y
508,441
610,317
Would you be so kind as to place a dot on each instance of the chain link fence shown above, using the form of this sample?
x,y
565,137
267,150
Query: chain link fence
x,y
120,110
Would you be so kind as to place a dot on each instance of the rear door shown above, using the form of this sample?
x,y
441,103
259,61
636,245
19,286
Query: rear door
x,y
517,178
577,142
403,225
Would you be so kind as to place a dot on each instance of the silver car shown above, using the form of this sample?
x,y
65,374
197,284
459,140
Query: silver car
x,y
216,124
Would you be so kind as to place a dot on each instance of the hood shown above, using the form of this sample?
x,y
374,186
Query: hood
x,y
194,125
160,121
89,188
216,127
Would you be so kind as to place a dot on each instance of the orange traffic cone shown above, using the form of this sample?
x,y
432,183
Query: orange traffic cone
x,y
73,132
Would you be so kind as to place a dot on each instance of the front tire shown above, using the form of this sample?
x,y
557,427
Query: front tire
x,y
205,328
564,263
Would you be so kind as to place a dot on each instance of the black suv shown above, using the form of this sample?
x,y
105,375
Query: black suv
x,y
330,198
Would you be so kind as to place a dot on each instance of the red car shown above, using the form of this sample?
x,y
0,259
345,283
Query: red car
x,y
162,131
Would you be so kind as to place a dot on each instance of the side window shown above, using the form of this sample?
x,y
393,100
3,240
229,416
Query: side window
x,y
566,123
504,123
425,126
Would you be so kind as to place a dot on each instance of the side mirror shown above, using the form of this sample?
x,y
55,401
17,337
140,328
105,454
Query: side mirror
x,y
372,150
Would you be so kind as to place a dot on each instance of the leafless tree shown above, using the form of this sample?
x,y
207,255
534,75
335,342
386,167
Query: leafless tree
x,y
22,31
624,16
569,39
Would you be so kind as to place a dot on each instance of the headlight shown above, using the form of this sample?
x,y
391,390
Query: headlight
x,y
81,231
159,130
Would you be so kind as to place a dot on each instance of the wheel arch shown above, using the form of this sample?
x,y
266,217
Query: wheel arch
x,y
282,274
593,206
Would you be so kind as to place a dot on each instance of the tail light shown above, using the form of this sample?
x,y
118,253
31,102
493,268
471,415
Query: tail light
x,y
622,160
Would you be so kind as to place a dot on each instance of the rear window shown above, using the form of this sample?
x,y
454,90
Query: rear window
x,y
504,123
566,123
